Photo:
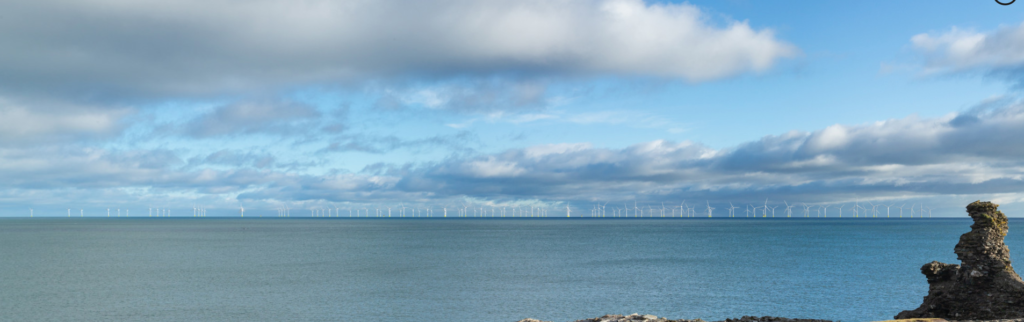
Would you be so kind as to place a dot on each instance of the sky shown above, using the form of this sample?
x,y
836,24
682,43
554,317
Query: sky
x,y
356,104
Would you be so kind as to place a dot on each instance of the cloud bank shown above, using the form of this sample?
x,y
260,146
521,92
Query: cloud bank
x,y
974,152
100,49
998,53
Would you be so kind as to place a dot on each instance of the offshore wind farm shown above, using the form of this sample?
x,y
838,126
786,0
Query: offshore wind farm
x,y
596,210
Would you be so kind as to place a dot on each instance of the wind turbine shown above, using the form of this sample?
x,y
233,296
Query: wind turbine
x,y
789,209
241,211
732,210
709,208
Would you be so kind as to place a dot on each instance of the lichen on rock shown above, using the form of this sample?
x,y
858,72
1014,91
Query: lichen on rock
x,y
984,285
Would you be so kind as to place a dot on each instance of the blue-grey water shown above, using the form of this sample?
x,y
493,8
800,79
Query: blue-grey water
x,y
209,269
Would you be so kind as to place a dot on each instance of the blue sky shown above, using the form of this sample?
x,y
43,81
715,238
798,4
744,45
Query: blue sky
x,y
346,104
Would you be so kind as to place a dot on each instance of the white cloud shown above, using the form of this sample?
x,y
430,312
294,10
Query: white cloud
x,y
150,47
491,168
957,49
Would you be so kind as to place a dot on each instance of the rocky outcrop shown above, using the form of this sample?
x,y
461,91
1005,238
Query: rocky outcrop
x,y
625,318
651,318
984,285
634,318
771,319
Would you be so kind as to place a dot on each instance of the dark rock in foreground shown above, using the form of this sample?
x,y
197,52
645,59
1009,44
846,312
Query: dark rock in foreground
x,y
984,285
651,318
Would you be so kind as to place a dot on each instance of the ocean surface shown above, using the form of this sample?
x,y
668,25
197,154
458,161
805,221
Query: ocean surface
x,y
339,269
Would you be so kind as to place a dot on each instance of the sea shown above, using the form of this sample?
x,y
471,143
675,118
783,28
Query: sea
x,y
479,269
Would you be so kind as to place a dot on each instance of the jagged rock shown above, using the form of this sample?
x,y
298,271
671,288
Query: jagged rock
x,y
629,318
634,318
771,319
984,285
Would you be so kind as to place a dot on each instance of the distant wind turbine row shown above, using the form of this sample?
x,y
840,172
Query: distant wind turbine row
x,y
598,210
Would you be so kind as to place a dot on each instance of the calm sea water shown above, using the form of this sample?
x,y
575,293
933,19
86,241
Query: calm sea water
x,y
150,269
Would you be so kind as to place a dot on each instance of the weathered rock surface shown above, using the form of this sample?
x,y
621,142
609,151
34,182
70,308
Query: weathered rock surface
x,y
771,319
651,318
634,318
984,285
